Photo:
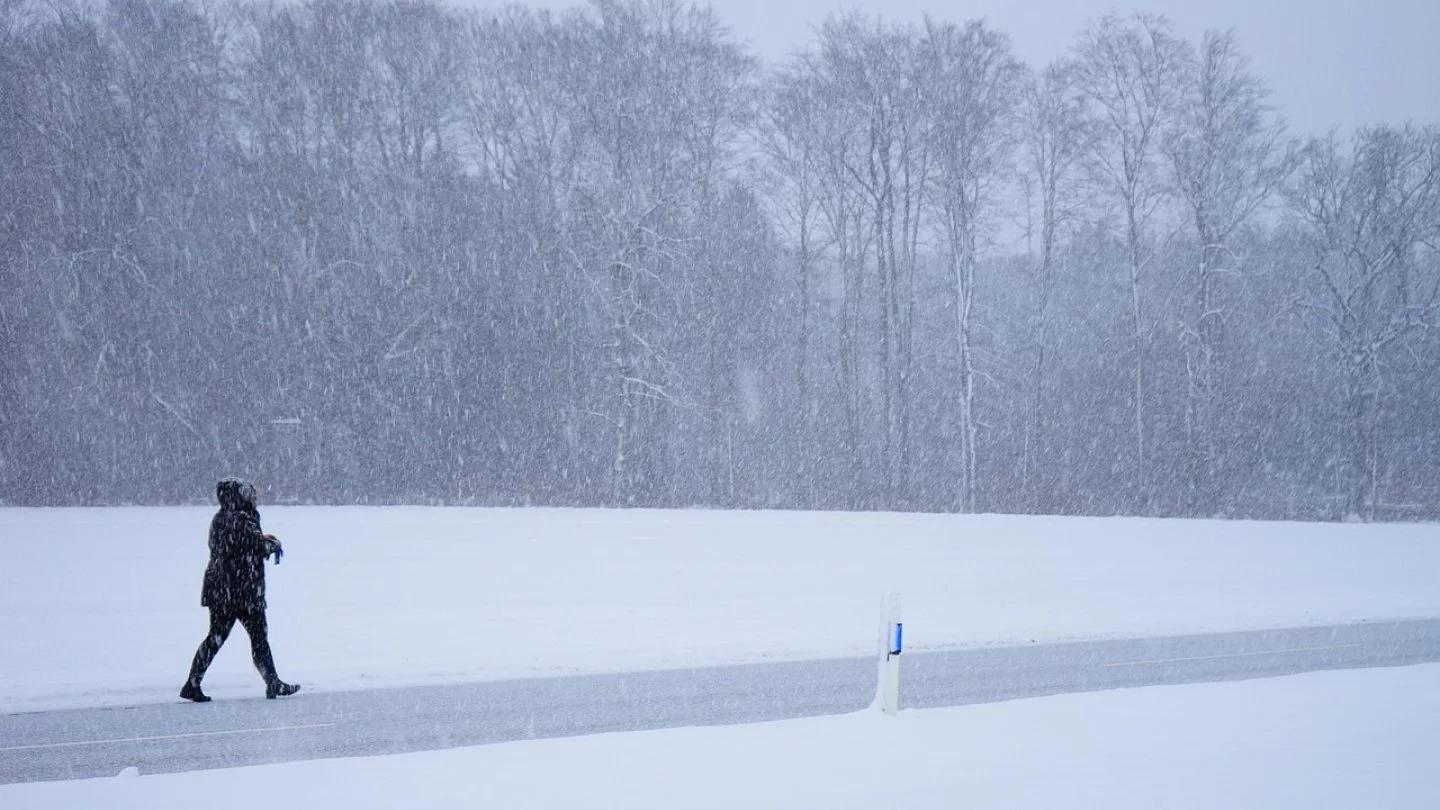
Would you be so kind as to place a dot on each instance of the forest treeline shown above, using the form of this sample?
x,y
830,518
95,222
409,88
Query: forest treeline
x,y
369,252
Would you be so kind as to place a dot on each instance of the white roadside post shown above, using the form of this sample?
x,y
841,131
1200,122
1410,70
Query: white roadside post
x,y
892,638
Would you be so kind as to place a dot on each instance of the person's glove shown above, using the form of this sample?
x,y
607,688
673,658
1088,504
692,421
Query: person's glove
x,y
273,547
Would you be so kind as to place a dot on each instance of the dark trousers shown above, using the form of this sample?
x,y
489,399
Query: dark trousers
x,y
220,624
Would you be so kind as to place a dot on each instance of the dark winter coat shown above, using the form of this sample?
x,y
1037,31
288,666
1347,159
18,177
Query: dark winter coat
x,y
235,577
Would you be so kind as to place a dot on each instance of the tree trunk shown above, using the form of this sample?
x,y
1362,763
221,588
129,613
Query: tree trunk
x,y
1200,371
1142,460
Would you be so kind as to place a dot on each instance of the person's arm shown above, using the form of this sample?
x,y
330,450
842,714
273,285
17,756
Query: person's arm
x,y
252,540
272,546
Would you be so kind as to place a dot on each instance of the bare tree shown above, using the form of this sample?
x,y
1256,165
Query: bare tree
x,y
516,112
520,122
1372,218
1228,154
869,72
790,134
868,201
843,216
972,82
1053,132
1130,73
415,100
660,99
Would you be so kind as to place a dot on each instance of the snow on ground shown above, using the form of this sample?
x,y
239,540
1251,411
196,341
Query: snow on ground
x,y
101,606
1347,739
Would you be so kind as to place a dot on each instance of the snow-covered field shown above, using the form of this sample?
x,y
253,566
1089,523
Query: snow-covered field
x,y
100,606
1348,739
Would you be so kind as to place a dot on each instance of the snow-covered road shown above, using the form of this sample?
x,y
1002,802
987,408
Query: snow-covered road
x,y
317,724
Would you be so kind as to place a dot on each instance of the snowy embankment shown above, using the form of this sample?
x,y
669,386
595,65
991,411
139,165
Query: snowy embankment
x,y
101,606
1348,739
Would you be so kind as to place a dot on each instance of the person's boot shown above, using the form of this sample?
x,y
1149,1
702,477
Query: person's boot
x,y
191,691
278,688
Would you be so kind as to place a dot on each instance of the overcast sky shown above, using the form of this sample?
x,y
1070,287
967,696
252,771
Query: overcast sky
x,y
1330,63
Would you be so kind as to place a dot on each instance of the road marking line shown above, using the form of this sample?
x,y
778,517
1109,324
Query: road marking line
x,y
164,737
1230,655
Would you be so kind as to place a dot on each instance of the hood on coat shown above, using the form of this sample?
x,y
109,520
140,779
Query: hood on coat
x,y
235,493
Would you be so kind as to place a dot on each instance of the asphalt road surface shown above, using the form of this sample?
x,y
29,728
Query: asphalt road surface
x,y
181,736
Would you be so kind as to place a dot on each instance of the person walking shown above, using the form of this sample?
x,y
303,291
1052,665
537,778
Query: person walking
x,y
234,587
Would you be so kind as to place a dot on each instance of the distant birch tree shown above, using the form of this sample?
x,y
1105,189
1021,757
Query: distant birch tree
x,y
972,80
1130,72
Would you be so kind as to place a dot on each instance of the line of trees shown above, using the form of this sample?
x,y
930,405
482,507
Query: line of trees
x,y
368,251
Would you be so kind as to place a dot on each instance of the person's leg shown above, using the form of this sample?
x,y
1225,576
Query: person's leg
x,y
256,628
220,624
